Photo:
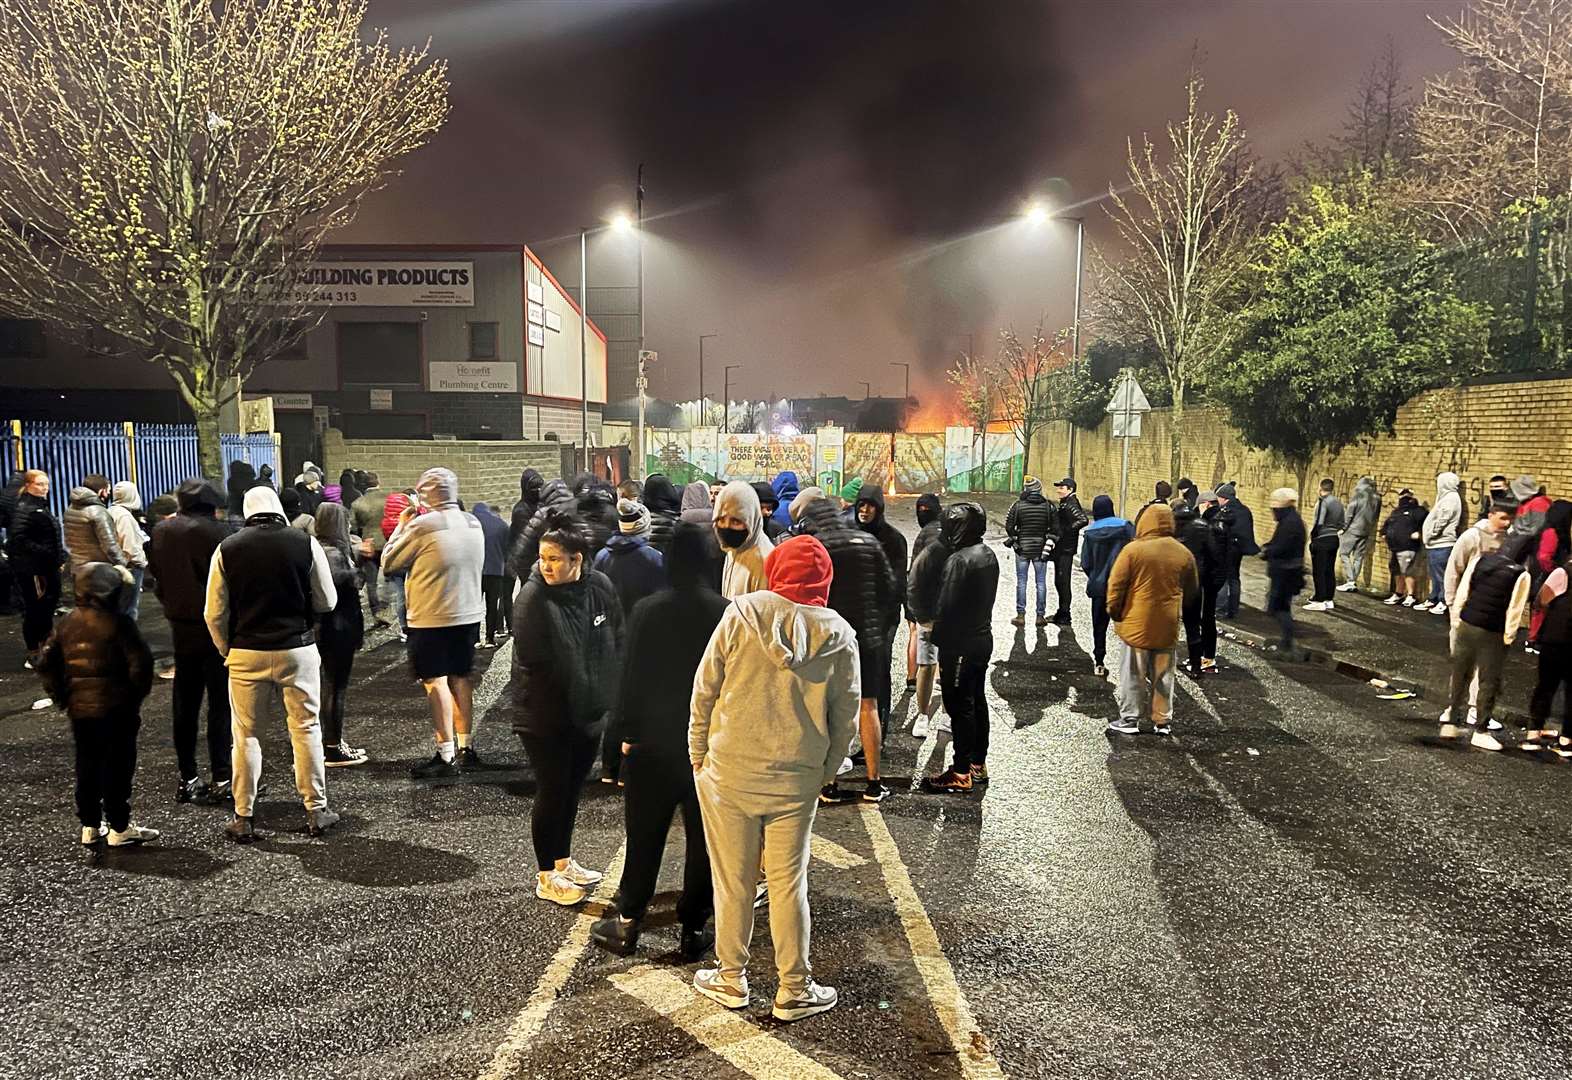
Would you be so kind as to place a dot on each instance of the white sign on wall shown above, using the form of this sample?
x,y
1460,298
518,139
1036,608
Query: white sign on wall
x,y
388,284
382,400
291,402
537,295
537,335
469,376
536,314
553,321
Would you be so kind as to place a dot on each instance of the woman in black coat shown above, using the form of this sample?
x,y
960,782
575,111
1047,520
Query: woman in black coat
x,y
340,633
567,657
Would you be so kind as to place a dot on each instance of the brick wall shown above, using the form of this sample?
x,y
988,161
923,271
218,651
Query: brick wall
x,y
1495,426
487,471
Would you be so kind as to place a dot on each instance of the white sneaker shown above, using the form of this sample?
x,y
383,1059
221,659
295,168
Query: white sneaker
x,y
1480,741
1492,724
579,875
1408,601
708,982
846,767
813,1000
131,834
91,836
1420,607
42,703
1316,605
1393,599
1328,605
1473,716
552,885
920,727
1439,608
1347,586
1446,716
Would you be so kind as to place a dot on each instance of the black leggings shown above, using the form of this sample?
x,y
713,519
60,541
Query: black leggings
x,y
40,594
337,663
105,764
1099,632
560,762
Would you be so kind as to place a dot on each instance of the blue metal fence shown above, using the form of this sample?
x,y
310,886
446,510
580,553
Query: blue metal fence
x,y
156,457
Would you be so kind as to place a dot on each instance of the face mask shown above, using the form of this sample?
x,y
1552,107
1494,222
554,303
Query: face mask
x,y
732,538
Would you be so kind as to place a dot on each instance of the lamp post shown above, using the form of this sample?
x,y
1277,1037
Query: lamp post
x,y
583,345
726,397
906,398
1075,326
703,418
643,384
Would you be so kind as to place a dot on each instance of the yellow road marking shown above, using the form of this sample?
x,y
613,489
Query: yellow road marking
x,y
743,1045
829,851
976,1058
527,1024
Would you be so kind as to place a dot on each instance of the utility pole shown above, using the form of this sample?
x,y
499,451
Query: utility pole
x,y
643,384
583,345
703,412
906,398
726,394
1075,332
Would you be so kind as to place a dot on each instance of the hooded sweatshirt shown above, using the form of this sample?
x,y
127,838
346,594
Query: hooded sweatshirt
x,y
530,485
123,510
442,553
1364,509
963,619
1445,519
183,548
888,536
89,533
800,658
1101,542
786,487
1152,579
744,569
696,503
665,506
557,497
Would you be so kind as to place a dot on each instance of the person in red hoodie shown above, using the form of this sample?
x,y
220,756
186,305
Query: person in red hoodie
x,y
397,503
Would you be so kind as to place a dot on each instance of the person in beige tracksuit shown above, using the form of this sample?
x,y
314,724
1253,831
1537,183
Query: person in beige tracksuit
x,y
758,768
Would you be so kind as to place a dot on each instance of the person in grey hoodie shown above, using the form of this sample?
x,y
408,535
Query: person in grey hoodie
x,y
1364,511
696,503
758,772
442,552
1439,535
125,508
1326,529
739,526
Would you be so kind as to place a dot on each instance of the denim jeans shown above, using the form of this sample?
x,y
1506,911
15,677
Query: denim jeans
x,y
1020,585
1438,558
132,593
396,586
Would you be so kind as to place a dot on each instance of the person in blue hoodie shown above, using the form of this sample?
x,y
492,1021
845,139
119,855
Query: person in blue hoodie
x,y
1101,542
786,489
495,582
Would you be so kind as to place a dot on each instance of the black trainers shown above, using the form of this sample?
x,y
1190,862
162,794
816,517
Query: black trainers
x,y
431,770
832,794
1062,618
192,790
221,791
875,792
696,944
342,756
616,935
319,821
468,761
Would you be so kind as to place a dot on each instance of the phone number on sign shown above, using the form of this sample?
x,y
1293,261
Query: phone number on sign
x,y
328,296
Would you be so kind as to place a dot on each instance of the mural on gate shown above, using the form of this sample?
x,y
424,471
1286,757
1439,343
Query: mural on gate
x,y
868,456
919,462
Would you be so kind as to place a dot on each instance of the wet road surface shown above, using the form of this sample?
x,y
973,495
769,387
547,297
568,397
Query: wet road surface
x,y
1303,882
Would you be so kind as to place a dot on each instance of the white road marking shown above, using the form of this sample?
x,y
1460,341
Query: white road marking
x,y
744,1046
831,852
955,1014
527,1024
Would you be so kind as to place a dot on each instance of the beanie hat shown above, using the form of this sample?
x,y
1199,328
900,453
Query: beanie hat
x,y
852,489
198,494
262,500
1033,486
1102,507
1207,496
804,497
1164,490
438,487
1282,497
799,569
1226,491
633,518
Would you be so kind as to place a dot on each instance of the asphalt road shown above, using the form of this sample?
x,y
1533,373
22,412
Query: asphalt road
x,y
1303,882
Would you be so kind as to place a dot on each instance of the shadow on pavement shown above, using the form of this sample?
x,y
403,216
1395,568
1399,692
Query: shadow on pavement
x,y
160,860
373,863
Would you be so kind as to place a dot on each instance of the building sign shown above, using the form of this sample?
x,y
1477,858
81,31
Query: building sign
x,y
553,321
537,295
291,402
537,336
536,314
388,284
470,376
382,400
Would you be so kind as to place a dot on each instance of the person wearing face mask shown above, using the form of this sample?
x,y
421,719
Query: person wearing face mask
x,y
739,526
567,662
441,553
920,654
871,520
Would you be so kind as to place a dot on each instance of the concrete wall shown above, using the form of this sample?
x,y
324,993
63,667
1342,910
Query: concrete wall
x,y
1496,426
487,471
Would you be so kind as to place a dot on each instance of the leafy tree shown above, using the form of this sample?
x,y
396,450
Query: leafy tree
x,y
170,168
1353,315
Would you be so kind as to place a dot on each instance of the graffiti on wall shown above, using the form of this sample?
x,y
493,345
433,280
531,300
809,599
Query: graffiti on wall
x,y
919,462
760,457
868,457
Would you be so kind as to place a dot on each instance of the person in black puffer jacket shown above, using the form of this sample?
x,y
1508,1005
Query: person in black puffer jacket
x,y
33,544
863,593
1032,529
556,497
665,507
769,504
1285,565
1070,517
963,631
182,554
530,485
99,670
1206,542
340,634
241,477
1403,533
871,520
567,659
596,511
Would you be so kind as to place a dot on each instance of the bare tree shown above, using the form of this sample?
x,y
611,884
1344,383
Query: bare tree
x,y
1022,377
973,380
1378,132
170,168
1182,220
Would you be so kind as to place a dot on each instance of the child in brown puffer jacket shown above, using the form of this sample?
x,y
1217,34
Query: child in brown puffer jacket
x,y
98,668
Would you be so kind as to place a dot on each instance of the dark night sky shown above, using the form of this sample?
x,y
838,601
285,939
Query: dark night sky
x,y
830,185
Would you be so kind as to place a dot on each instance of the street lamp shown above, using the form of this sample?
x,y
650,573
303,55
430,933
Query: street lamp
x,y
907,397
702,339
726,395
1037,214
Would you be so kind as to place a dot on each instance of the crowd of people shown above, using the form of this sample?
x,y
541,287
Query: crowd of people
x,y
648,624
